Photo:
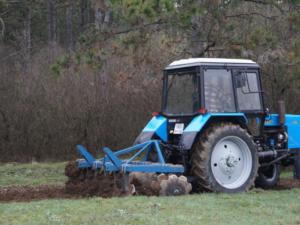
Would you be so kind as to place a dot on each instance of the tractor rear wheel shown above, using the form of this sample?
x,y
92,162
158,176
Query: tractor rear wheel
x,y
224,159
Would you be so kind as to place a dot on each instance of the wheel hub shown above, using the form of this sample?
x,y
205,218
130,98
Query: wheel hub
x,y
228,164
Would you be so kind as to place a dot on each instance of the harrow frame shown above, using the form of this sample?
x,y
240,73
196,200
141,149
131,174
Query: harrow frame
x,y
138,162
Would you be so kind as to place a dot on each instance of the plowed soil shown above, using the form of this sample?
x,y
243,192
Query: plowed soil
x,y
98,186
85,189
29,193
287,183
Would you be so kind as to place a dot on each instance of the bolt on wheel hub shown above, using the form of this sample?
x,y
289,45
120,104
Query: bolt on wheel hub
x,y
228,164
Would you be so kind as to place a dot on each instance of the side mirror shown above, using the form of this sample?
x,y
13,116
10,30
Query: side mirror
x,y
267,111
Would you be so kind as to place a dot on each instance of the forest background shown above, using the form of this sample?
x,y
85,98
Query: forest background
x,y
90,72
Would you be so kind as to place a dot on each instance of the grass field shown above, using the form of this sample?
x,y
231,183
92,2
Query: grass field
x,y
32,174
255,207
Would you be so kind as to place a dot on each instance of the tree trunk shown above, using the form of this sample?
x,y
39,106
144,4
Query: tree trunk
x,y
103,15
6,135
83,14
69,26
27,39
51,21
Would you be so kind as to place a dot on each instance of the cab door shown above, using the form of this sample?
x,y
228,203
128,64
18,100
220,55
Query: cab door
x,y
249,98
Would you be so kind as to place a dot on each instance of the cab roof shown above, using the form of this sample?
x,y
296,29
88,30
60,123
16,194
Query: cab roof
x,y
210,61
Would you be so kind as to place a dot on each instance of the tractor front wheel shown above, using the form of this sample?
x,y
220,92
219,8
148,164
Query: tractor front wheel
x,y
268,177
224,159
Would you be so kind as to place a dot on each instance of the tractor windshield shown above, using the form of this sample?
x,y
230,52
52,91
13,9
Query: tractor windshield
x,y
181,94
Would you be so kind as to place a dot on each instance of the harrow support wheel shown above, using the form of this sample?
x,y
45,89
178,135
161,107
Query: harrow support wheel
x,y
145,183
174,185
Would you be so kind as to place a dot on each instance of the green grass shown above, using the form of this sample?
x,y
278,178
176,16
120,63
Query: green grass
x,y
266,207
31,174
256,207
287,173
12,174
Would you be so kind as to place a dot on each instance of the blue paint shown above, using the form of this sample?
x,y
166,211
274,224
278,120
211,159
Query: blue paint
x,y
82,163
292,124
112,157
257,120
199,121
155,168
272,142
88,157
272,120
112,163
158,124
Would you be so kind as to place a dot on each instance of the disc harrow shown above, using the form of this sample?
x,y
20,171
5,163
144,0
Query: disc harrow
x,y
113,176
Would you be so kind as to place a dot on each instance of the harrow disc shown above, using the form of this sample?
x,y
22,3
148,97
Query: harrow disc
x,y
162,184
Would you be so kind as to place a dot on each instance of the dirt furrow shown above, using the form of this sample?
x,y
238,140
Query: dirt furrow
x,y
30,193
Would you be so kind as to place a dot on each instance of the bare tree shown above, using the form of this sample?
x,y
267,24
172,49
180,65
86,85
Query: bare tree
x,y
2,27
103,14
27,38
52,22
83,14
69,26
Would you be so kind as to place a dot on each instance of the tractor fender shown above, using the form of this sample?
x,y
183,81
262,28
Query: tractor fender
x,y
190,133
157,126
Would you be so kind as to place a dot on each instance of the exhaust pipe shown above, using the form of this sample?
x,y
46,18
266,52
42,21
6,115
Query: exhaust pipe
x,y
281,112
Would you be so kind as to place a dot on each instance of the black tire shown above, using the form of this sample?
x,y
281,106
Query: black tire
x,y
268,177
297,165
202,152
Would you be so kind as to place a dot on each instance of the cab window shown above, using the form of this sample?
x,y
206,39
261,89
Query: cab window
x,y
218,90
247,91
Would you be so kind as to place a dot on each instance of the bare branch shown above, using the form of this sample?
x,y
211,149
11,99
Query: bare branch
x,y
257,1
2,27
158,22
251,14
267,2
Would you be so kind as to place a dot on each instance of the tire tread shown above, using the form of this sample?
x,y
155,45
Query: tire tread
x,y
201,157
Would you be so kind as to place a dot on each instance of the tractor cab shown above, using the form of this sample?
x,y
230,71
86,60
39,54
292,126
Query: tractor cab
x,y
221,87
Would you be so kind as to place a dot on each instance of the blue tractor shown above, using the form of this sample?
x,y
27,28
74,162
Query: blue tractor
x,y
213,132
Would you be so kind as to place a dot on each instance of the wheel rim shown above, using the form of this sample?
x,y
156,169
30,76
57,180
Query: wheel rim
x,y
231,162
